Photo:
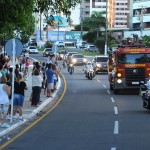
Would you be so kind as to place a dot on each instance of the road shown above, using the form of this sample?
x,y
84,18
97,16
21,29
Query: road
x,y
90,117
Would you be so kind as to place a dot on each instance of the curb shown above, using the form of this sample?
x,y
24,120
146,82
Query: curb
x,y
34,112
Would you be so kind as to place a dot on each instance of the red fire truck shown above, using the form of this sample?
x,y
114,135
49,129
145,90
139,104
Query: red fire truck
x,y
128,67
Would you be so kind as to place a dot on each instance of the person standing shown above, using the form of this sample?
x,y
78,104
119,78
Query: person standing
x,y
36,87
50,79
19,88
5,91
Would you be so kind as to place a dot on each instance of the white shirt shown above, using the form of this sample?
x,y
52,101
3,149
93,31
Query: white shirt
x,y
3,95
89,67
37,80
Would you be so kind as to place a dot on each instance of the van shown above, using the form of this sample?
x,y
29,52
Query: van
x,y
81,44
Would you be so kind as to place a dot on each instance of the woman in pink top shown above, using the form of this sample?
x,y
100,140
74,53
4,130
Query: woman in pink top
x,y
27,63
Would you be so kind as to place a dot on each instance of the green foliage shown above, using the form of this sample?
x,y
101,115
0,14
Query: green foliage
x,y
100,43
146,40
89,37
48,44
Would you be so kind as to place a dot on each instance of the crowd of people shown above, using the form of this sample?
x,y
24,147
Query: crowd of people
x,y
44,76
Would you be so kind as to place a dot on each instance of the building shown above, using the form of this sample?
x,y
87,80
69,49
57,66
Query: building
x,y
118,11
140,15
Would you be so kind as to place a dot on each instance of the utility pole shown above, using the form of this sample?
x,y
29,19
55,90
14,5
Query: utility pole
x,y
81,19
106,27
40,27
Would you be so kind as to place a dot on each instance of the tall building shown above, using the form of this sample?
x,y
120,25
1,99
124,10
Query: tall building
x,y
118,14
117,11
140,15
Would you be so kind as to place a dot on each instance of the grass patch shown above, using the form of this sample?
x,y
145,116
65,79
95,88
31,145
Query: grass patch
x,y
82,52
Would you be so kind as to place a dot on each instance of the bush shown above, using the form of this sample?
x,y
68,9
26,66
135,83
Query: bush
x,y
100,44
48,44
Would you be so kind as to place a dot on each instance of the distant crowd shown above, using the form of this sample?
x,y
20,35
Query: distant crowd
x,y
44,76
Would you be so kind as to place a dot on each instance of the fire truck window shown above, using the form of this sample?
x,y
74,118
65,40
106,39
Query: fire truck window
x,y
121,58
145,58
133,58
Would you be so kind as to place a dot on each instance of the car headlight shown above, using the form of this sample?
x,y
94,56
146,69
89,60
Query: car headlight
x,y
98,65
61,55
119,81
71,65
74,60
84,60
46,52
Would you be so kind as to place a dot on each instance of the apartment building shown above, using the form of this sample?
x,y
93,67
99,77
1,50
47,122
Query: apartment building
x,y
117,11
140,15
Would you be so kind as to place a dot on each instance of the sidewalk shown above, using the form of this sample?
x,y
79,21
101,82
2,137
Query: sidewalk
x,y
28,111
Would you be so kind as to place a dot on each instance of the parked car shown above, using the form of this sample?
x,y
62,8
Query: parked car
x,y
32,49
60,44
78,60
91,48
81,44
61,54
47,52
100,63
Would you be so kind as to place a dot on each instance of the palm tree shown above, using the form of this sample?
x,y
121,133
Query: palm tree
x,y
97,21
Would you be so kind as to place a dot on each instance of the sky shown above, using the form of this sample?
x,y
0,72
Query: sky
x,y
75,15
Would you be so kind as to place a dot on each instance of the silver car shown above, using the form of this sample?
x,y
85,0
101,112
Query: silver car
x,y
32,49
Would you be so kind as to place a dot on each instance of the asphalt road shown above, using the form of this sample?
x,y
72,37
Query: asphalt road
x,y
90,117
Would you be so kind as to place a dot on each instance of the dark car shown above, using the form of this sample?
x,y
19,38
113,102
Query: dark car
x,y
61,54
78,60
48,52
24,49
100,63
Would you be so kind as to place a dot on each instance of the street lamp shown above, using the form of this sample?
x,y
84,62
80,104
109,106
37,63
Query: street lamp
x,y
106,37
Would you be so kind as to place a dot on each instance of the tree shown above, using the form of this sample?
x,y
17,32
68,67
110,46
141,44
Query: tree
x,y
146,40
15,17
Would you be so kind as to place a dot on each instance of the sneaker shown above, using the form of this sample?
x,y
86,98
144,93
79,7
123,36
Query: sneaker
x,y
5,125
21,119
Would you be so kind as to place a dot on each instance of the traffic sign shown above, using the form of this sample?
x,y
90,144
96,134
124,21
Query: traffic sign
x,y
9,47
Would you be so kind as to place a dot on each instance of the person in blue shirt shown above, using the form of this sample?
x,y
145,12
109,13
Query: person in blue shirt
x,y
50,79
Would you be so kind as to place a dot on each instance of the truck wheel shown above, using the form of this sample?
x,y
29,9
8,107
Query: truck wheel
x,y
115,91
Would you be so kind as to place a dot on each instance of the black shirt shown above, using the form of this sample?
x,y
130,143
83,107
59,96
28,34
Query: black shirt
x,y
19,87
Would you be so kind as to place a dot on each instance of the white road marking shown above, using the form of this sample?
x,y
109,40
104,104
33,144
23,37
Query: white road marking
x,y
116,127
104,86
112,99
116,110
113,148
108,91
98,80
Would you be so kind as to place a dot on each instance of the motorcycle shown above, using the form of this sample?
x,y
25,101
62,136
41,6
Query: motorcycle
x,y
90,74
70,68
145,93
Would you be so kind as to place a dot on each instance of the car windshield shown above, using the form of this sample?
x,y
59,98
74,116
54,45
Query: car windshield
x,y
70,54
32,47
102,59
49,49
133,58
77,56
92,46
63,52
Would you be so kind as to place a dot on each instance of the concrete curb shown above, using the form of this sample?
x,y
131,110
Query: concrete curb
x,y
37,110
34,112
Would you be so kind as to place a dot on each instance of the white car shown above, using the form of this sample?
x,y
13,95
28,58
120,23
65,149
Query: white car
x,y
32,49
81,44
91,48
60,44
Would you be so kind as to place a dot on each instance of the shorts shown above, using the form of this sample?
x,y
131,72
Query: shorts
x,y
50,86
18,100
4,108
